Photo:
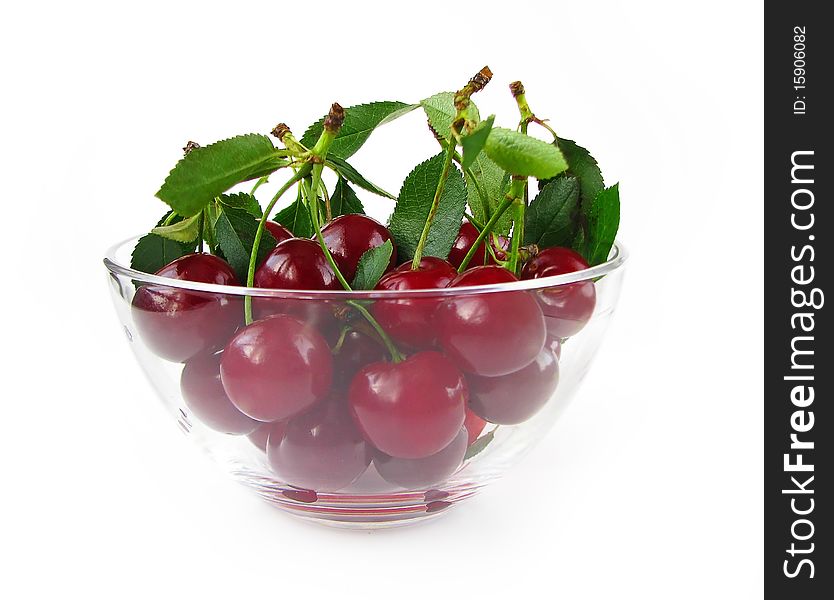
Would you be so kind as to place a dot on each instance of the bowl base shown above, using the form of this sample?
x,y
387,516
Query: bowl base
x,y
355,510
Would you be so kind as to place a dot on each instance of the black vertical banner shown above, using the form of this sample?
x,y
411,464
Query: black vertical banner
x,y
799,353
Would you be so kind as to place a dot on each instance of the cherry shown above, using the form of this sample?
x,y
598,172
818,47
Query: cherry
x,y
410,409
276,368
295,264
204,395
490,334
357,350
320,449
409,320
349,236
567,308
177,324
514,398
278,231
415,473
474,425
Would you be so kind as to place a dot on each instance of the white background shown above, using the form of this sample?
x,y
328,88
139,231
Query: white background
x,y
649,487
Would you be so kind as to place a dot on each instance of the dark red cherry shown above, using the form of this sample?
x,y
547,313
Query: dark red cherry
x,y
466,237
177,324
320,449
278,231
276,368
474,425
410,409
409,320
357,350
349,236
491,333
416,473
205,397
567,308
295,264
514,398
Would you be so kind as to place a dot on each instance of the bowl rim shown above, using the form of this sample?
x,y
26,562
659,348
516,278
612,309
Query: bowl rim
x,y
616,260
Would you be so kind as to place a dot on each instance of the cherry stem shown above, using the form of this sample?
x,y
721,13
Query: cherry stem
x,y
332,124
312,203
518,188
499,212
258,184
438,192
396,355
202,233
259,232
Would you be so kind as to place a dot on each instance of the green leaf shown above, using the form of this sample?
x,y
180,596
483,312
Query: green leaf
x,y
474,142
413,205
584,167
346,171
186,230
521,154
485,188
479,445
235,231
441,112
205,173
152,252
360,122
296,218
372,265
603,220
551,218
243,201
344,201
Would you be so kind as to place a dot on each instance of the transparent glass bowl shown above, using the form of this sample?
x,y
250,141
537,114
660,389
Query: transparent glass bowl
x,y
325,462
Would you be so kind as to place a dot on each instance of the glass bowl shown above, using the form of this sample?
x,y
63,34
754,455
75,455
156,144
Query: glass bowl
x,y
307,408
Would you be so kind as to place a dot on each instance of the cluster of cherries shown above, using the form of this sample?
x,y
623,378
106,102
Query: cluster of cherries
x,y
312,384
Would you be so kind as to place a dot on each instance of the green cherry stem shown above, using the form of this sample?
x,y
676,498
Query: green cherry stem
x,y
438,192
202,233
259,233
258,184
396,355
332,124
499,212
518,187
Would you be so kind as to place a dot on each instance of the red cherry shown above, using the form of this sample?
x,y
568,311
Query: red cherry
x,y
410,409
514,398
295,264
349,236
567,308
466,237
357,350
204,395
278,231
409,320
492,333
320,449
474,425
276,368
416,473
177,324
